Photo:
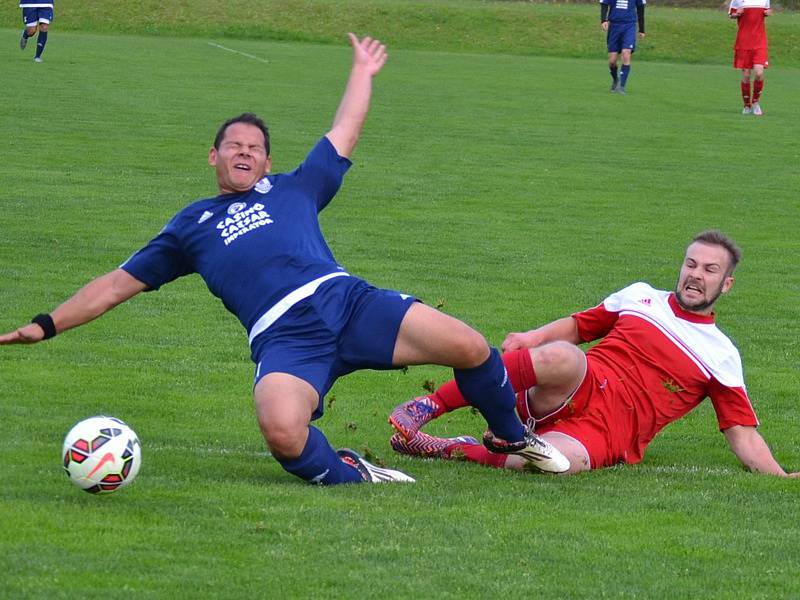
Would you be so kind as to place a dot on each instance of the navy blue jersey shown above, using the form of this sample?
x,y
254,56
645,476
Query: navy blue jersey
x,y
623,11
36,4
252,249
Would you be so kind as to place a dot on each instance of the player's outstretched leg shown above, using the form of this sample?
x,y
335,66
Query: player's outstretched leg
x,y
408,417
284,406
429,336
428,446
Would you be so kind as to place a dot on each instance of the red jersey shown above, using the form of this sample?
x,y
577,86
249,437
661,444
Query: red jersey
x,y
752,33
661,362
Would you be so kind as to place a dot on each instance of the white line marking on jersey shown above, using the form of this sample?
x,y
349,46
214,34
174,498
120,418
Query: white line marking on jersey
x,y
253,56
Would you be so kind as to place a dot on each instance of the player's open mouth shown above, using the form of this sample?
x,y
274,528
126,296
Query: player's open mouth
x,y
692,288
242,167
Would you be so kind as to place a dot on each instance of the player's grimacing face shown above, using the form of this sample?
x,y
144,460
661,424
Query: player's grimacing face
x,y
241,159
704,277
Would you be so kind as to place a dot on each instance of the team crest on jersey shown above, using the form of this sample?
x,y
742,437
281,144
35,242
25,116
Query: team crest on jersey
x,y
263,186
236,207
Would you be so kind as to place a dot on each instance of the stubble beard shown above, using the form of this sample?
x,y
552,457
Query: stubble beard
x,y
700,306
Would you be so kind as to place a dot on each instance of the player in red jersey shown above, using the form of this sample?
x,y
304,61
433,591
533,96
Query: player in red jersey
x,y
659,355
751,48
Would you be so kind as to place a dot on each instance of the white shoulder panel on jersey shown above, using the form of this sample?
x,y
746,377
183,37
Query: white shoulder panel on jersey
x,y
710,349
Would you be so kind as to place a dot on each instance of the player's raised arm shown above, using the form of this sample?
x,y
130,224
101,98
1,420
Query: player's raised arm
x,y
95,298
369,56
753,452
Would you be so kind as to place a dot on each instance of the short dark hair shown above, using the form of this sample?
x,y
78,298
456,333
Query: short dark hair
x,y
714,237
250,119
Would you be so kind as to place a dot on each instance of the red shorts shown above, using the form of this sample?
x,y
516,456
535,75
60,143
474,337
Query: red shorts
x,y
599,417
745,59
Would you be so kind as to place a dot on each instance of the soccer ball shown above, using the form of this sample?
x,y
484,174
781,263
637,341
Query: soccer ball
x,y
101,455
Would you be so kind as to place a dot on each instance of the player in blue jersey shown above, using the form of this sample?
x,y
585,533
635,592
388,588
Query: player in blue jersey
x,y
259,248
37,16
619,18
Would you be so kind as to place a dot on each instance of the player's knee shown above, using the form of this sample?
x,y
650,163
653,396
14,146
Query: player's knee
x,y
43,27
285,434
560,360
471,348
285,440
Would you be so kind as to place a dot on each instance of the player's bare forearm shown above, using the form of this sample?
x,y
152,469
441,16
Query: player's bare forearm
x,y
369,56
753,452
564,329
94,299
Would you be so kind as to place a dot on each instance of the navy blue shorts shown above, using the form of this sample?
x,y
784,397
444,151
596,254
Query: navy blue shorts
x,y
622,36
345,326
32,16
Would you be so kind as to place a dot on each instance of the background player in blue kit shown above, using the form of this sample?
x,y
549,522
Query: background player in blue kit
x,y
37,15
619,18
259,248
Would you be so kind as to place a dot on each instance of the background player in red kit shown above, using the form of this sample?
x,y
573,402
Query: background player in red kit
x,y
751,48
660,354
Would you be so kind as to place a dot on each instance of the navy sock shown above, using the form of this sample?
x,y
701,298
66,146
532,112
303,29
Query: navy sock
x,y
613,70
626,69
488,389
40,42
25,34
319,463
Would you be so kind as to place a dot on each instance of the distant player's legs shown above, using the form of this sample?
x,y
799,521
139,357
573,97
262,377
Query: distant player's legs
x,y
758,87
284,406
626,69
28,32
41,40
745,85
613,69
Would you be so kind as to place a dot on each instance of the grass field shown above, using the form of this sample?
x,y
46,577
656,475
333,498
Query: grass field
x,y
511,189
482,26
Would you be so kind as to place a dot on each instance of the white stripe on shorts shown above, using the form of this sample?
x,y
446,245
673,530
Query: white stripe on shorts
x,y
288,301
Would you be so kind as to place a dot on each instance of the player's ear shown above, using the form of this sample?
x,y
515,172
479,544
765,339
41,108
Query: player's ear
x,y
212,157
727,284
268,165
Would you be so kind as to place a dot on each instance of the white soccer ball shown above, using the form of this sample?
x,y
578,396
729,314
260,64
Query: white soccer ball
x,y
101,455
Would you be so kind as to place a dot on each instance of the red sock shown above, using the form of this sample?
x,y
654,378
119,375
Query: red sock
x,y
520,372
480,455
448,397
758,85
746,92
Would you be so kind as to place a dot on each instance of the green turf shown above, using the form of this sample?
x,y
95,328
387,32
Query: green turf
x,y
531,28
511,189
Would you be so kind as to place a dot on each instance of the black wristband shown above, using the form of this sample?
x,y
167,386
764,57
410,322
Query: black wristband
x,y
45,321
